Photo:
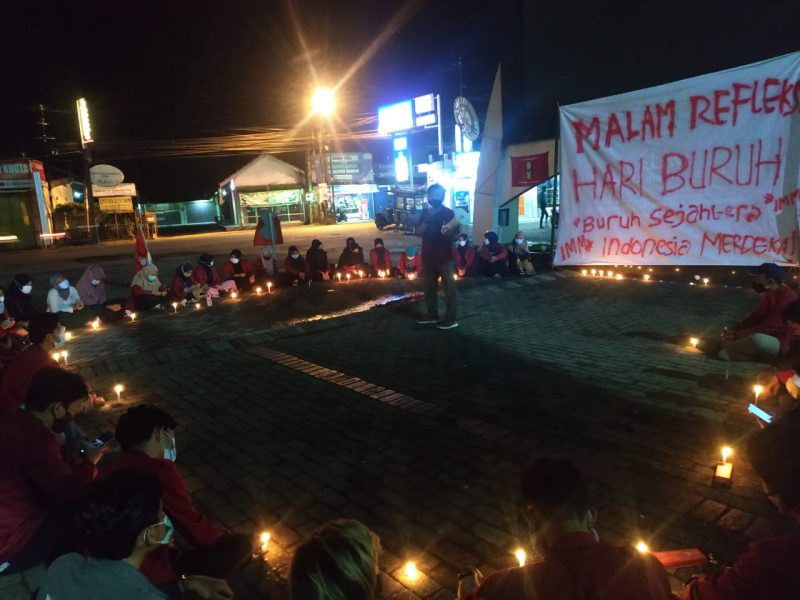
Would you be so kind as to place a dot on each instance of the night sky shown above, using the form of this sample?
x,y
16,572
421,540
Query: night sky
x,y
172,69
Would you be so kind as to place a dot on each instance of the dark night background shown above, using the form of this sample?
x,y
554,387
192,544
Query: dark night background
x,y
172,69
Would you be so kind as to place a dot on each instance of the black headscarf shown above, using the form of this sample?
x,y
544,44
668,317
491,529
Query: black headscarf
x,y
298,263
181,272
316,257
349,257
205,262
19,304
237,267
380,252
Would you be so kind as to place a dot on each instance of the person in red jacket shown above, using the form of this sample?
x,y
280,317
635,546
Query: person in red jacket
x,y
575,565
46,333
464,257
146,435
240,270
409,265
380,259
494,256
206,273
147,291
768,569
763,335
9,330
185,288
37,486
295,267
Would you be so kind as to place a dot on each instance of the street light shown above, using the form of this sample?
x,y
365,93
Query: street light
x,y
323,102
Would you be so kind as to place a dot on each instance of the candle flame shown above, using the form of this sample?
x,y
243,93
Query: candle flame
x,y
348,277
410,571
594,272
56,356
259,290
455,276
584,272
68,336
642,547
757,389
234,295
197,306
265,537
619,277
646,277
95,324
726,453
694,341
706,280
133,316
119,387
521,556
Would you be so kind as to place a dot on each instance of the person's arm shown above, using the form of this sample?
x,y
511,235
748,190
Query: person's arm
x,y
470,257
192,524
750,577
228,271
754,319
503,254
53,304
51,476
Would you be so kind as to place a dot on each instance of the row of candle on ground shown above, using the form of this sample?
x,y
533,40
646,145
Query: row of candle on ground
x,y
608,274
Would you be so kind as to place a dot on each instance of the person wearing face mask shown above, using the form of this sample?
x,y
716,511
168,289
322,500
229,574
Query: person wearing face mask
x,y
18,299
764,335
65,300
294,267
147,291
11,333
240,270
146,435
464,257
37,486
267,267
206,273
92,290
185,288
520,256
122,523
352,259
493,255
46,334
380,259
317,265
574,563
409,265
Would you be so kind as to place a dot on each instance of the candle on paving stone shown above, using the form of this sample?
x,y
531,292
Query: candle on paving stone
x,y
64,355
380,273
619,277
259,290
602,273
133,317
175,306
584,272
348,278
642,547
706,280
757,389
361,274
519,553
594,272
723,472
269,287
95,324
339,275
234,295
56,356
646,277
610,274
412,276
118,389
68,336
693,342
265,536
410,571
197,306
455,276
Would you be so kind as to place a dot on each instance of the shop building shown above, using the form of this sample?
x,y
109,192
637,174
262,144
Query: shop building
x,y
24,204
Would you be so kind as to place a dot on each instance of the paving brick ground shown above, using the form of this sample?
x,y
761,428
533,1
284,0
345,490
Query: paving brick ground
x,y
421,433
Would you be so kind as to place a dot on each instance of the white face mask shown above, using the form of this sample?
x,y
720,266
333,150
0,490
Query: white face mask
x,y
211,263
519,240
462,243
95,282
171,453
295,255
26,289
143,261
234,260
486,241
64,284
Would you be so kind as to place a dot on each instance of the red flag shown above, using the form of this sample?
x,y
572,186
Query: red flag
x,y
266,236
528,171
141,253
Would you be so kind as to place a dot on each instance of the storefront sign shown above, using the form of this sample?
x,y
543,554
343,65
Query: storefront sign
x,y
528,171
351,167
116,204
18,174
106,175
702,171
123,189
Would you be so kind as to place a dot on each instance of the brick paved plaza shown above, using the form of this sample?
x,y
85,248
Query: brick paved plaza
x,y
420,433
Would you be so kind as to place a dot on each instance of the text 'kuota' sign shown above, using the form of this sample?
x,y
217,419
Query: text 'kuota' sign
x,y
701,171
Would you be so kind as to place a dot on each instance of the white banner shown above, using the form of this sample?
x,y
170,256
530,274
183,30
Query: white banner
x,y
704,171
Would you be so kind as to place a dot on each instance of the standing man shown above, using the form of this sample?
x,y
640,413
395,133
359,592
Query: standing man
x,y
438,226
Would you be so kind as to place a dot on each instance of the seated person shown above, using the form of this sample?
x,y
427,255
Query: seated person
x,y
185,288
18,299
207,274
122,523
294,267
352,259
146,435
574,564
338,561
380,259
37,486
147,291
768,568
10,332
92,290
46,334
763,336
465,257
64,300
493,256
409,265
317,265
240,270
267,267
519,255
783,375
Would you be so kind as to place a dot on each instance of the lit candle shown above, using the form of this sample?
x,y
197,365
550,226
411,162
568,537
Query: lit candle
x,y
348,278
361,274
642,547
56,356
269,287
197,306
757,389
706,280
521,556
723,472
584,272
610,274
602,273
64,355
694,341
410,571
95,324
68,336
259,290
265,541
118,389
646,277
133,317
234,295
339,275
412,276
175,306
619,277
455,276
594,272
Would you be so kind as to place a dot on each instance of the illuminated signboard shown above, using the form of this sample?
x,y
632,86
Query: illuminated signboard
x,y
395,117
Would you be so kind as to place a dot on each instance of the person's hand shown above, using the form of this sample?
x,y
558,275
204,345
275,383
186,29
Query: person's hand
x,y
252,278
208,588
468,584
7,323
728,335
493,259
94,455
115,307
79,305
461,272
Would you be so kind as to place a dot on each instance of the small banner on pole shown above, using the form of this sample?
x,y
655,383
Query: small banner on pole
x,y
268,230
704,171
528,171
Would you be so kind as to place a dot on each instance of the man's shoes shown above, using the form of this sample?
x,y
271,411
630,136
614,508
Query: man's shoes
x,y
497,276
446,325
427,321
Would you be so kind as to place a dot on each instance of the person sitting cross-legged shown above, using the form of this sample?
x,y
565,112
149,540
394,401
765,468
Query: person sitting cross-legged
x,y
575,564
146,435
240,270
494,256
768,568
121,523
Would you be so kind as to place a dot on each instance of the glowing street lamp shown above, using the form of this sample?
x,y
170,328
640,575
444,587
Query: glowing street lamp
x,y
323,102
